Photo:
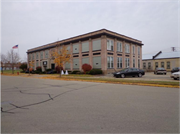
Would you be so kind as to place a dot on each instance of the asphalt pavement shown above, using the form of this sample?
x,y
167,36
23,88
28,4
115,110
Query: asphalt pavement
x,y
53,106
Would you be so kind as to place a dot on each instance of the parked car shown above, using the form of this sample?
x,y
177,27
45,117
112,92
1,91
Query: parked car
x,y
129,72
160,71
176,69
175,75
51,72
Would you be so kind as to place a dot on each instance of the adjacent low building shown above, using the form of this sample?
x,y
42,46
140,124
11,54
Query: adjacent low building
x,y
102,49
167,60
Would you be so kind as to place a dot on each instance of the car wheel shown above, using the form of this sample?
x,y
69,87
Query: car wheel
x,y
175,78
122,76
139,75
165,73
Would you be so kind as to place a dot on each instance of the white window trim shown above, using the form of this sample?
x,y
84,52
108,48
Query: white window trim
x,y
110,44
119,45
120,62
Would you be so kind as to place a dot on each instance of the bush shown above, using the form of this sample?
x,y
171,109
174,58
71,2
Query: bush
x,y
69,72
96,71
47,70
58,69
75,72
39,69
86,68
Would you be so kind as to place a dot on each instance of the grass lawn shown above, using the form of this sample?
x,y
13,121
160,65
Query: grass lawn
x,y
91,78
10,71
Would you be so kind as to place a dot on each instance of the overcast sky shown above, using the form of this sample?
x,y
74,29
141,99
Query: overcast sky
x,y
32,23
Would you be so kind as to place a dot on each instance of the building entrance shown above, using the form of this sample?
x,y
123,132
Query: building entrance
x,y
53,66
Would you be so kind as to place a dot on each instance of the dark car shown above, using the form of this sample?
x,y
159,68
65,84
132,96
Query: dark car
x,y
176,69
51,72
160,71
129,72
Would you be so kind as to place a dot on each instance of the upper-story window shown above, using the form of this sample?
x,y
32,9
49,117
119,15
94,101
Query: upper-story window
x,y
119,46
138,50
133,49
110,45
37,55
41,53
46,54
33,56
127,48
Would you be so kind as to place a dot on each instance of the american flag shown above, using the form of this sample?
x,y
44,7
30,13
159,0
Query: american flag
x,y
16,46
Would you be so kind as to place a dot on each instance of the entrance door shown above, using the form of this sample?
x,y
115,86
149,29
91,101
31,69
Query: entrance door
x,y
53,66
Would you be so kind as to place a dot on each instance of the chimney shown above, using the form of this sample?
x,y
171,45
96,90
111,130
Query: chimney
x,y
173,49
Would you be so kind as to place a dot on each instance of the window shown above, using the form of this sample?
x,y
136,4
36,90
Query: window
x,y
46,54
41,54
119,47
127,48
126,62
156,64
37,63
149,65
133,49
162,64
144,65
134,62
110,45
119,62
138,63
110,62
37,55
168,64
138,50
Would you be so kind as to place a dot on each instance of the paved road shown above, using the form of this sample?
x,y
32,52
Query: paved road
x,y
53,106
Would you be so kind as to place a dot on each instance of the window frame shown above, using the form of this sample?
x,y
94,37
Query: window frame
x,y
119,62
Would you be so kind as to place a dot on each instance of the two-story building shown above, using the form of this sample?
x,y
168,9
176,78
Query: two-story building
x,y
102,49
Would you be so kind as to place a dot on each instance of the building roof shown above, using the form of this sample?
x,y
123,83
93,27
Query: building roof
x,y
162,55
86,36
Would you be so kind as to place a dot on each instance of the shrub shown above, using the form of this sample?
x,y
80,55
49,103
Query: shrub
x,y
39,69
86,68
47,70
69,72
75,72
58,69
96,71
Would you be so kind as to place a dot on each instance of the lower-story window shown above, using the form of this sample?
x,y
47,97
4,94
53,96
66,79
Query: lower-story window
x,y
127,62
133,62
110,62
168,64
138,63
119,62
156,64
162,64
149,65
144,65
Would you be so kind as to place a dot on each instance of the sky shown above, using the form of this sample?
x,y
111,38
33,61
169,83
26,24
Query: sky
x,y
32,23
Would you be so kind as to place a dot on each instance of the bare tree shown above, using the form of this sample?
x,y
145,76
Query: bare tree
x,y
14,58
3,61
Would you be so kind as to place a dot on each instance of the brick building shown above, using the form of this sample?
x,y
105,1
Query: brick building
x,y
101,49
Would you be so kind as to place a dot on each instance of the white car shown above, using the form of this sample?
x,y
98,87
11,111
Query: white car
x,y
175,75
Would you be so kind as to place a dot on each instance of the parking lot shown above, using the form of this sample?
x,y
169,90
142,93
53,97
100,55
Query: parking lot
x,y
147,76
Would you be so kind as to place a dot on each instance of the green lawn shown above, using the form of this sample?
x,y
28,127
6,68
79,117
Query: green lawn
x,y
10,71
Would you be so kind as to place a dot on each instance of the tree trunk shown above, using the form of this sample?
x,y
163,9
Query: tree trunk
x,y
2,70
60,73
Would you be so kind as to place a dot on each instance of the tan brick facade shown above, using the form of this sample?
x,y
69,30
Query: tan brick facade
x,y
98,53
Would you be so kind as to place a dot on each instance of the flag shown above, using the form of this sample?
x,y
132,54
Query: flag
x,y
16,46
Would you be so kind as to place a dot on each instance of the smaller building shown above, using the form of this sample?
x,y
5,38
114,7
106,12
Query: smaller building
x,y
167,60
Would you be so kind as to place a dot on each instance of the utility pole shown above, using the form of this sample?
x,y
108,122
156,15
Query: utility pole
x,y
12,63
